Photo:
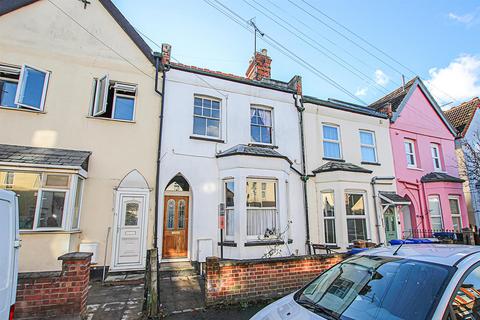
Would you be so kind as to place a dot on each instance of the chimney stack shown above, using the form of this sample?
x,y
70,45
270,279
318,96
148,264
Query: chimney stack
x,y
259,67
166,51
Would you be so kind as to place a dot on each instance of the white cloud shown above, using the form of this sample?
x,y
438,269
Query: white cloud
x,y
381,78
458,81
468,19
361,92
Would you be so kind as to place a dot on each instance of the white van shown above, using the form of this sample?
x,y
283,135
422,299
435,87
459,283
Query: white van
x,y
9,246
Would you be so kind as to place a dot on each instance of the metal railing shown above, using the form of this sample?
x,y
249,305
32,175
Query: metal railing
x,y
432,233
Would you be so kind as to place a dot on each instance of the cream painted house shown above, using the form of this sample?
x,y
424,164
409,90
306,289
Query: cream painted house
x,y
351,190
79,122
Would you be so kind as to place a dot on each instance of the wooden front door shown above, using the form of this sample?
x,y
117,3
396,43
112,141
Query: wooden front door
x,y
175,227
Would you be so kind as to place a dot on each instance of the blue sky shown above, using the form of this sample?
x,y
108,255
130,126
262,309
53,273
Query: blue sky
x,y
437,39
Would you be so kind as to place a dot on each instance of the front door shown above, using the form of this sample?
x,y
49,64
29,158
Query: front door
x,y
390,224
175,227
130,232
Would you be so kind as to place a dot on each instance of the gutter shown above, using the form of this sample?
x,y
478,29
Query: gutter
x,y
303,175
373,182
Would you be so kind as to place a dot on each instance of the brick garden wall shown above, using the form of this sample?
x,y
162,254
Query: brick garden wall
x,y
55,294
232,281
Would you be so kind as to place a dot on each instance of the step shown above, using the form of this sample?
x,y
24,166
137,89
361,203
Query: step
x,y
125,278
176,269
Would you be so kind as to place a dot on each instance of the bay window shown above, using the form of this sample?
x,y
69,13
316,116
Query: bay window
x,y
328,204
436,221
229,188
262,213
44,199
455,213
356,216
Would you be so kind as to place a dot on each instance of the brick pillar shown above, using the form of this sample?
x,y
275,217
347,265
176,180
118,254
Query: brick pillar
x,y
212,279
76,272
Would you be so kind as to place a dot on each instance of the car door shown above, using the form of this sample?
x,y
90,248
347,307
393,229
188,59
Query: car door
x,y
465,303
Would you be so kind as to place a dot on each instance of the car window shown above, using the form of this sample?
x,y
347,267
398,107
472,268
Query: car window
x,y
466,302
371,287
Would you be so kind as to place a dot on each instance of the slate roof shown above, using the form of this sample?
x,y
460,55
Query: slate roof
x,y
345,106
44,156
394,197
265,83
439,177
461,115
340,166
251,150
395,97
7,6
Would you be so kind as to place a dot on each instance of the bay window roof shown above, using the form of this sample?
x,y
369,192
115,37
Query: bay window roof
x,y
14,154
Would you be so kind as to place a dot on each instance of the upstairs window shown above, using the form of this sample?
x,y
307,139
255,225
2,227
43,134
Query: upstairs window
x,y
437,164
368,146
410,153
113,100
206,117
331,141
261,125
23,88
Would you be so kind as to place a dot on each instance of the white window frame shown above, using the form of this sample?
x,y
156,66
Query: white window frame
x,y
126,88
272,127
225,181
364,216
413,153
430,211
13,71
325,218
339,141
220,116
370,146
102,104
80,205
277,216
459,215
435,147
21,84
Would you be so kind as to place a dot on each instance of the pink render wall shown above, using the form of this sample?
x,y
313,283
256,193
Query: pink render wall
x,y
419,121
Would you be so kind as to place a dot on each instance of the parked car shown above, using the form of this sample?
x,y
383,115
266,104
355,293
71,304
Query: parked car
x,y
9,246
411,281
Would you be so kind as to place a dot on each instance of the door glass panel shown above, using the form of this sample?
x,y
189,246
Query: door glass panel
x,y
131,214
181,214
170,213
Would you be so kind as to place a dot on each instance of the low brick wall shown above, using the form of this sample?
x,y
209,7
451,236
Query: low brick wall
x,y
234,281
55,294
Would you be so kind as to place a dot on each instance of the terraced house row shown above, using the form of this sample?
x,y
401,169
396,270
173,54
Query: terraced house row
x,y
115,149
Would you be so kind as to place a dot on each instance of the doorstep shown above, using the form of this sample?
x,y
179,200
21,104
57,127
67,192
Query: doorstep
x,y
125,277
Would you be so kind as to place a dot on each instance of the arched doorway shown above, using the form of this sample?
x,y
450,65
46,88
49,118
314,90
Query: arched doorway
x,y
175,218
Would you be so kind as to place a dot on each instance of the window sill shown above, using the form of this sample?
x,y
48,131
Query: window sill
x,y
333,159
415,168
202,138
49,231
22,110
259,243
110,119
370,163
228,243
263,145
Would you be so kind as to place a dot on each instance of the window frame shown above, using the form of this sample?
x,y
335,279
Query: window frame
x,y
66,209
459,215
103,109
80,205
338,142
272,131
430,211
220,116
374,146
13,70
277,212
364,217
114,102
21,84
436,146
325,218
413,153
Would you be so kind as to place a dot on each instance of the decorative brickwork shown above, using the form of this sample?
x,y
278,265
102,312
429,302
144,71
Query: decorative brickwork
x,y
230,281
54,294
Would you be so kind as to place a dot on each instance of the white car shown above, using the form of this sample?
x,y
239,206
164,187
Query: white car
x,y
411,281
9,244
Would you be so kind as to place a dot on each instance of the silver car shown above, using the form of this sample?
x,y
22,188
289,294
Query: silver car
x,y
411,281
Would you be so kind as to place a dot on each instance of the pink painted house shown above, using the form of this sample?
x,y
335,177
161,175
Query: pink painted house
x,y
423,146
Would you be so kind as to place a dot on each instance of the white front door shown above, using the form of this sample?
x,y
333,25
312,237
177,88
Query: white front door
x,y
130,232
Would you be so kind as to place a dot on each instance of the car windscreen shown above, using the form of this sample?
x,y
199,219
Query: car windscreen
x,y
372,287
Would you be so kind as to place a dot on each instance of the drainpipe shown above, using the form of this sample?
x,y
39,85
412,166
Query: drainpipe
x,y
164,69
373,182
303,176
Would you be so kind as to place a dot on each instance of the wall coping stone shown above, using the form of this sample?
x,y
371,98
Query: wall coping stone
x,y
76,256
41,274
231,262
